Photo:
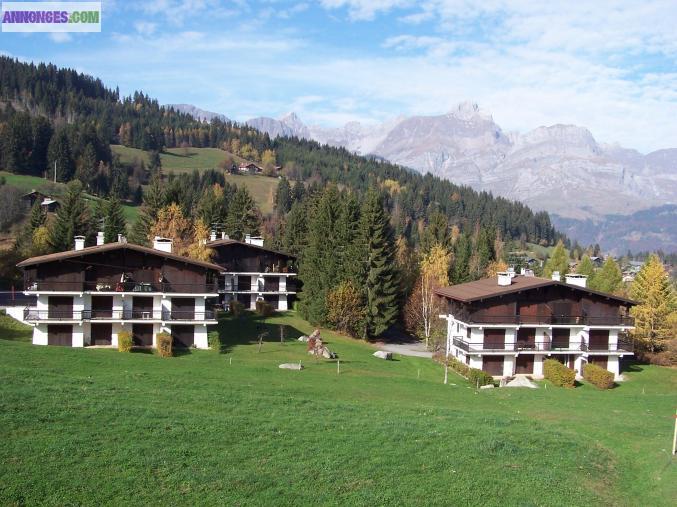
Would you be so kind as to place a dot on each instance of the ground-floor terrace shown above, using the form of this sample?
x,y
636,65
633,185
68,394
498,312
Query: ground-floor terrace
x,y
144,334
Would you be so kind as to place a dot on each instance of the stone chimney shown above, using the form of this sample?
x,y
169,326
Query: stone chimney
x,y
555,276
162,244
79,242
504,278
212,236
576,279
99,238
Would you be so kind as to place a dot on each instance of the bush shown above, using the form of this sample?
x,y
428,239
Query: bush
x,y
479,377
164,344
598,376
125,341
264,309
214,340
236,308
558,374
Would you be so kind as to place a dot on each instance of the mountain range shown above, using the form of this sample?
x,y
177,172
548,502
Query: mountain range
x,y
584,184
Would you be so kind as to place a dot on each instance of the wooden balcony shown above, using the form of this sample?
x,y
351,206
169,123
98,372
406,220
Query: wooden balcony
x,y
33,315
130,286
551,320
541,346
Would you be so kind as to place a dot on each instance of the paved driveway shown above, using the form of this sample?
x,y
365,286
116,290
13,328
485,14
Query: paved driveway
x,y
416,349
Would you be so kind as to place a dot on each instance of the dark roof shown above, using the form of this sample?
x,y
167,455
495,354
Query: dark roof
x,y
488,288
41,259
226,242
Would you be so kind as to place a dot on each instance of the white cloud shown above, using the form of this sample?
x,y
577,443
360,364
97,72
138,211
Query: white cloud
x,y
60,37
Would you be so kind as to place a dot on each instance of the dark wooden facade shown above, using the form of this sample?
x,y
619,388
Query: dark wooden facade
x,y
238,257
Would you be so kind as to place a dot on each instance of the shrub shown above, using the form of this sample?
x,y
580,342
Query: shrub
x,y
479,377
125,341
558,374
214,341
236,308
164,344
264,309
598,376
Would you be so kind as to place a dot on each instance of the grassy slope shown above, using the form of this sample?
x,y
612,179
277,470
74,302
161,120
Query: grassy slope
x,y
29,183
97,426
180,160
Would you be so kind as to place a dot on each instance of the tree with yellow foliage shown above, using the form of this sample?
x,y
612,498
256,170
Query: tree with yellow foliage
x,y
172,224
198,249
655,313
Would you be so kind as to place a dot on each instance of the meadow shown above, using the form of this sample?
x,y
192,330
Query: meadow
x,y
95,426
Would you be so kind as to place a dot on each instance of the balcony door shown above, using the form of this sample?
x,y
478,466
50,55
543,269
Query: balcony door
x,y
599,339
560,338
183,308
60,307
526,338
494,339
102,307
142,307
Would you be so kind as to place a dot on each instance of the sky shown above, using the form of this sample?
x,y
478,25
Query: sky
x,y
608,66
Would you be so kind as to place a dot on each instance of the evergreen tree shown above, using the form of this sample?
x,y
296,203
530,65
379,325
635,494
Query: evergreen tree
x,y
657,305
558,261
155,163
87,167
37,217
243,215
72,219
59,153
381,283
436,233
460,269
42,134
609,278
211,208
299,191
115,222
587,268
295,230
283,196
153,202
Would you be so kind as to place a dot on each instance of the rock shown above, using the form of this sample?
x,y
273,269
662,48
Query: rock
x,y
521,382
382,354
303,338
488,386
328,354
291,366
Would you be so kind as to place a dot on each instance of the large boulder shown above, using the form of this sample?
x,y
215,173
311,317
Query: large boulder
x,y
303,338
382,354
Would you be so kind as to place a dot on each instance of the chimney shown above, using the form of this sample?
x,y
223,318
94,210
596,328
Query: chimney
x,y
212,236
79,242
99,238
555,276
511,272
224,235
523,271
122,239
248,238
528,272
162,244
576,279
504,278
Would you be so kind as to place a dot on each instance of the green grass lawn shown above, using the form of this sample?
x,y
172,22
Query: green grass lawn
x,y
101,427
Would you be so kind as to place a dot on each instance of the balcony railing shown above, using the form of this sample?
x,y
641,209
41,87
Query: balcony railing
x,y
102,286
566,320
544,346
31,314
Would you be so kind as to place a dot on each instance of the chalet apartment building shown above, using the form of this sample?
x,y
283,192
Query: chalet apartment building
x,y
509,324
87,296
254,273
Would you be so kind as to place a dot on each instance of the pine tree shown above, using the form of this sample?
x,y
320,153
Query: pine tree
x,y
294,238
37,217
609,278
211,207
460,269
72,219
59,153
587,268
153,201
558,261
87,166
299,191
320,266
283,196
436,233
114,222
243,215
657,305
381,283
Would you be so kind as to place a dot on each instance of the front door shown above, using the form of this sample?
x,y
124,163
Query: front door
x,y
101,334
526,338
183,336
524,364
60,307
142,335
59,334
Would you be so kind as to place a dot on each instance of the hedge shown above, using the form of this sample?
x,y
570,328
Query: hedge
x,y
558,374
598,376
236,308
125,341
479,377
214,341
264,309
164,344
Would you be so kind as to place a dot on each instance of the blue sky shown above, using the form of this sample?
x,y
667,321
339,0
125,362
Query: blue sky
x,y
609,66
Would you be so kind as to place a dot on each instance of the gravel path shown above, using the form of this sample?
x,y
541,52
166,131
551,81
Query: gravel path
x,y
406,349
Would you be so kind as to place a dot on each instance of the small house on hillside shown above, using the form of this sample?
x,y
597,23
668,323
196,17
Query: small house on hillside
x,y
250,168
48,203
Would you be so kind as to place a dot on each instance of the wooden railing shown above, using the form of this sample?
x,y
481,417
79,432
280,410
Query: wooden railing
x,y
139,287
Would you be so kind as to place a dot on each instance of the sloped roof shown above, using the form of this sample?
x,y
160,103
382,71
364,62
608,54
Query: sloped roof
x,y
225,242
71,254
487,288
